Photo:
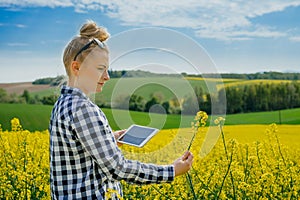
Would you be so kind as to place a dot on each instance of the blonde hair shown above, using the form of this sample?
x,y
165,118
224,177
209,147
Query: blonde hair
x,y
88,31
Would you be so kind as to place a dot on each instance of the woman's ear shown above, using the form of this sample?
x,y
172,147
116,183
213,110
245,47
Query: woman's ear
x,y
75,68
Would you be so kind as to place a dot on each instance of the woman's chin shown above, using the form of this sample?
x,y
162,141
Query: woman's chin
x,y
99,89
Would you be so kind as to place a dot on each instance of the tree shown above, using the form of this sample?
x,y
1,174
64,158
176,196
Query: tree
x,y
3,95
174,106
49,100
206,105
26,96
122,102
234,99
250,99
136,103
199,94
190,105
59,80
166,106
159,96
35,100
153,101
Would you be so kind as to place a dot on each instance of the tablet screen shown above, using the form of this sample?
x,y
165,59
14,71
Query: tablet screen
x,y
137,135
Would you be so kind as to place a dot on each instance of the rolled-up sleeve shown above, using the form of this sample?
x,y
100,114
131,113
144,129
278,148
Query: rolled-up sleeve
x,y
96,137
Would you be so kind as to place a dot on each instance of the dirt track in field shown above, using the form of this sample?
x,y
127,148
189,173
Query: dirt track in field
x,y
19,88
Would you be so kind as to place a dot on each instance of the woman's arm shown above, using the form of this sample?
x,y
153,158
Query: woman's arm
x,y
98,140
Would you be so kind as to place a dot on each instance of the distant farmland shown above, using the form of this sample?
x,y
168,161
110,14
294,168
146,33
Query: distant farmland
x,y
36,117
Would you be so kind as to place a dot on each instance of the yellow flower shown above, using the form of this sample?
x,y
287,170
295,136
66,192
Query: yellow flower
x,y
15,124
110,193
255,167
200,119
219,121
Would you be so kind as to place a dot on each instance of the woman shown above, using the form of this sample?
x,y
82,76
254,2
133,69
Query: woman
x,y
85,161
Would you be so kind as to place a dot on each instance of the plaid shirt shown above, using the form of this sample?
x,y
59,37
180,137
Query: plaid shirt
x,y
85,160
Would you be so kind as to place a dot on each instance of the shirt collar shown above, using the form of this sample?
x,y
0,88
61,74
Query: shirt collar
x,y
67,90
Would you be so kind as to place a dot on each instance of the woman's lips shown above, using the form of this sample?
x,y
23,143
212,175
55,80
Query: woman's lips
x,y
101,84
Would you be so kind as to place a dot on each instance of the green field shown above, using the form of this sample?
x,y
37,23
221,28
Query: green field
x,y
36,117
169,87
32,117
46,92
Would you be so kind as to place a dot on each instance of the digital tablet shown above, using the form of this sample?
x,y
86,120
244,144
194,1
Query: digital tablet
x,y
137,135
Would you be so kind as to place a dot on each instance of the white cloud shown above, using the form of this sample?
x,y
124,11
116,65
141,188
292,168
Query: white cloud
x,y
295,38
218,19
239,34
42,3
15,25
20,25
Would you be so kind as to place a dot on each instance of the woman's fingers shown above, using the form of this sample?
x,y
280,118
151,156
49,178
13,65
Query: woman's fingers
x,y
186,155
183,164
117,134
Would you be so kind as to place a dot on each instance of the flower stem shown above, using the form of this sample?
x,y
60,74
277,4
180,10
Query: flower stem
x,y
166,196
191,142
188,177
230,161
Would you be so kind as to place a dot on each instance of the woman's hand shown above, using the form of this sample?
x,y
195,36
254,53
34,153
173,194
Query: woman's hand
x,y
183,164
117,134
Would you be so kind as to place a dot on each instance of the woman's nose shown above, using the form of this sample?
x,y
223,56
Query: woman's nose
x,y
106,75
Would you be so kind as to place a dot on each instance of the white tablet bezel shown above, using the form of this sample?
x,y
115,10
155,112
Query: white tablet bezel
x,y
154,131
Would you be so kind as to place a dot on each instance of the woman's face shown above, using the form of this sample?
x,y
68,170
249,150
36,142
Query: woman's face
x,y
93,72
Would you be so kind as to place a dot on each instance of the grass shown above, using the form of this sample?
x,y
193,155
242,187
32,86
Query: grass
x,y
289,116
36,117
121,119
32,117
145,87
46,92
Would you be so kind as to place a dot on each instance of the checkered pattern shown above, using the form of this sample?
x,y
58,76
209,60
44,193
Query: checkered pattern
x,y
85,160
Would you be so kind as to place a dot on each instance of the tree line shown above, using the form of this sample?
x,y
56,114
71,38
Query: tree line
x,y
27,98
54,81
253,76
262,97
271,75
239,99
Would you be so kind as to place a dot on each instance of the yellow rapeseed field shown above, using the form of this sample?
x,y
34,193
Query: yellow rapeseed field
x,y
24,163
225,80
247,162
254,82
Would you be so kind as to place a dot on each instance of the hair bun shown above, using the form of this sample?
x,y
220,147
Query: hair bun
x,y
91,30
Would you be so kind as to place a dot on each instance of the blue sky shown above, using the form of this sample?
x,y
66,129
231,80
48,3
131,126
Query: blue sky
x,y
238,36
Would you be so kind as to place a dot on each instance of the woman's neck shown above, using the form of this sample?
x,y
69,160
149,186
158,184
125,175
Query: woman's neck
x,y
74,84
